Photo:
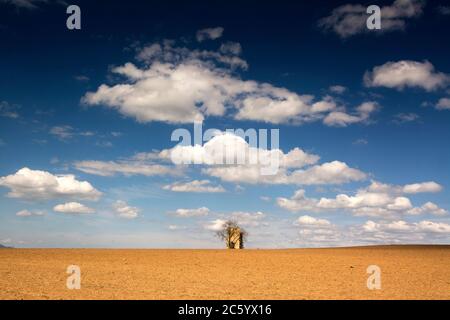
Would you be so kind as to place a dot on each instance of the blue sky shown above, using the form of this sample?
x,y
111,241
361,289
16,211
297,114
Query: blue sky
x,y
86,118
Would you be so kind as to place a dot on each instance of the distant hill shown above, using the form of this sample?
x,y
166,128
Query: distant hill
x,y
3,247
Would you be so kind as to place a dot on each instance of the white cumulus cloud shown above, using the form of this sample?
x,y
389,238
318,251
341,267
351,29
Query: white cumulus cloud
x,y
406,73
73,208
181,85
36,184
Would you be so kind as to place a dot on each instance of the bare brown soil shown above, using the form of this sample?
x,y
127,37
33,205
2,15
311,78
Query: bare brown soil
x,y
408,272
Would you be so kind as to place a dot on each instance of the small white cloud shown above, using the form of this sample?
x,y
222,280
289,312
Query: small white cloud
x,y
185,213
443,104
424,187
444,10
128,167
234,48
338,89
62,132
8,110
406,73
199,186
209,34
360,142
215,225
428,208
28,213
311,221
174,227
66,132
82,78
250,219
123,210
73,208
405,117
343,119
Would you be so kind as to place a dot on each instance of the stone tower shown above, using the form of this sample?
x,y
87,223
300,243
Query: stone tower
x,y
235,239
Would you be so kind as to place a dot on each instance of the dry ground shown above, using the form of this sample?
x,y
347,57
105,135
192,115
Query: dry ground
x,y
408,272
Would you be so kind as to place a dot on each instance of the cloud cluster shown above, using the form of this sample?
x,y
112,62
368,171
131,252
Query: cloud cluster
x,y
214,153
377,200
182,85
406,73
424,226
39,185
294,167
350,19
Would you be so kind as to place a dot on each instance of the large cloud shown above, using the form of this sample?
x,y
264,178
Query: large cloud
x,y
377,200
406,73
248,164
253,160
36,184
350,19
180,85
